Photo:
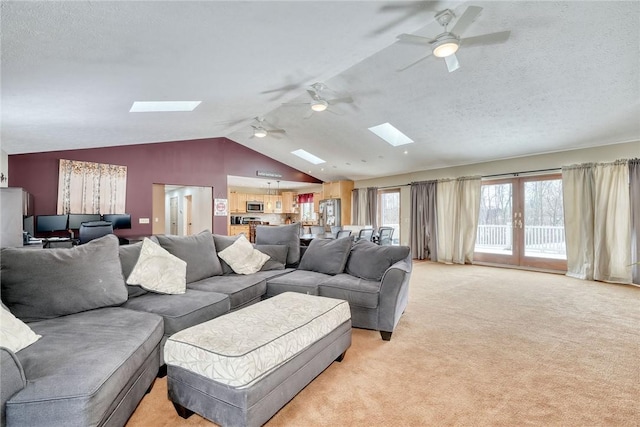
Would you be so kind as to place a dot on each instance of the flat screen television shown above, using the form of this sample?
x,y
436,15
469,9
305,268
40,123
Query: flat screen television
x,y
118,221
76,219
49,223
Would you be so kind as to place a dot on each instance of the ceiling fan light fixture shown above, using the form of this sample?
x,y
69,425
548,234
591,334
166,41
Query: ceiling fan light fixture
x,y
319,105
445,46
259,132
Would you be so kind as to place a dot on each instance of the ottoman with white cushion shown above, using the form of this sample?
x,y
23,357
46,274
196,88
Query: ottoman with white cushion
x,y
241,368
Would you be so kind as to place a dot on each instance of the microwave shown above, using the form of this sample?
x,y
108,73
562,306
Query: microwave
x,y
255,207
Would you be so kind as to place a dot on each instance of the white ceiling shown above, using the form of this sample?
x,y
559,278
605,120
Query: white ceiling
x,y
568,77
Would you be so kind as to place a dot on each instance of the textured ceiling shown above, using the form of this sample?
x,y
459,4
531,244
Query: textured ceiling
x,y
568,77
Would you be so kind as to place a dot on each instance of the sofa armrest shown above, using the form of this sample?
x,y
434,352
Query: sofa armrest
x,y
13,379
394,294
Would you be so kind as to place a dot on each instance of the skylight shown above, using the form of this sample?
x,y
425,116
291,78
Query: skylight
x,y
308,156
391,135
170,106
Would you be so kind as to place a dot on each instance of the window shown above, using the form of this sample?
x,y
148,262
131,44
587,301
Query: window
x,y
389,212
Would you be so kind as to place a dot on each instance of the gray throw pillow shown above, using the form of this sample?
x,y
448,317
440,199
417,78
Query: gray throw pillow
x,y
281,235
277,254
369,261
40,284
199,252
129,255
222,243
327,256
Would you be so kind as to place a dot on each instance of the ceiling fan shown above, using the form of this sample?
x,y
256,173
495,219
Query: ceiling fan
x,y
319,102
446,44
262,128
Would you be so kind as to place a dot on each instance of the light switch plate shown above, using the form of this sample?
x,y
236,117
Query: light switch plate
x,y
143,221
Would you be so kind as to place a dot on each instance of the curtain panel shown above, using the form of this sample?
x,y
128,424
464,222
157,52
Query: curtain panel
x,y
423,220
457,210
86,187
634,192
372,207
597,216
360,207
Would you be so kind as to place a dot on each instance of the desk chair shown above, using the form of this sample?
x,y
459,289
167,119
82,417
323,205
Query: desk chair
x,y
335,229
365,234
384,236
94,229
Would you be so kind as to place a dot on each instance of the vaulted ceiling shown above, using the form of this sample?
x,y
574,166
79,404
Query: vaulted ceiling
x,y
568,77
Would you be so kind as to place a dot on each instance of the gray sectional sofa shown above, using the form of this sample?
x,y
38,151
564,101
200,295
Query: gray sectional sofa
x,y
101,339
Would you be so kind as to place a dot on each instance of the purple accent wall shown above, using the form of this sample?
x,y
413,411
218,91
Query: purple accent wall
x,y
202,162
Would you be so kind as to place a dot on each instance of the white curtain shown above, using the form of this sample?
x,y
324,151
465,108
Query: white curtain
x,y
598,221
359,207
457,210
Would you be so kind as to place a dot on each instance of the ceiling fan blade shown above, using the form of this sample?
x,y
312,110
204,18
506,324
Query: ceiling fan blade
x,y
492,38
466,19
452,62
296,103
276,131
346,100
414,63
412,38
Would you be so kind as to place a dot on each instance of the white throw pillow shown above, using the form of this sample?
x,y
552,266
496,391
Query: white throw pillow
x,y
14,333
242,257
159,271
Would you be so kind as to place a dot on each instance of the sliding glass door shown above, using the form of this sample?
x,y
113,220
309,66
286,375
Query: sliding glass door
x,y
521,223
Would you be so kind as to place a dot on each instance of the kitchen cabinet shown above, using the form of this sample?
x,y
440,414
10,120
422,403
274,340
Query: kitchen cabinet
x,y
289,202
339,190
234,230
237,202
316,202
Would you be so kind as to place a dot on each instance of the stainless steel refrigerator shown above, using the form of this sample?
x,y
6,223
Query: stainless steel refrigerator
x,y
329,213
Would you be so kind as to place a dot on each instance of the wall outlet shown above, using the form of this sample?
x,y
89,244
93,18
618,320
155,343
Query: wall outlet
x,y
143,221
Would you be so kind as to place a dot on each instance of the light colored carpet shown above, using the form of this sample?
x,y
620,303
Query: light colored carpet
x,y
477,346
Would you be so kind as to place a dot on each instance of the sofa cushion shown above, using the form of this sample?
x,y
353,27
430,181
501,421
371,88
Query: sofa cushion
x,y
222,243
301,281
369,261
241,288
242,257
199,251
277,256
81,388
42,284
327,256
14,333
182,311
158,271
359,292
128,258
288,235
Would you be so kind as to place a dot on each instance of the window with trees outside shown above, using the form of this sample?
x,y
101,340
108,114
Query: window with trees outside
x,y
389,212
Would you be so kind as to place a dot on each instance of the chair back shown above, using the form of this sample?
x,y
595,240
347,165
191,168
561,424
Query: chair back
x,y
317,229
366,234
335,229
343,233
384,235
94,229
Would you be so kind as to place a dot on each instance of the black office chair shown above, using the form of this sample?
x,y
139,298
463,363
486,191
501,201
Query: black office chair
x,y
335,229
385,235
365,234
343,233
94,229
317,230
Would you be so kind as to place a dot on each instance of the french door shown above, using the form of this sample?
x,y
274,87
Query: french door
x,y
521,223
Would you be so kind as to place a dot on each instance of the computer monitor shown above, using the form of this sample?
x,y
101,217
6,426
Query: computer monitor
x,y
76,219
118,220
49,223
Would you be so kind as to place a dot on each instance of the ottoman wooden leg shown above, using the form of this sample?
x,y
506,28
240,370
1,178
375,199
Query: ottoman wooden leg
x,y
341,357
182,411
386,336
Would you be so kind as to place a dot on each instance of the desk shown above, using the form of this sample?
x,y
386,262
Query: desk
x,y
58,242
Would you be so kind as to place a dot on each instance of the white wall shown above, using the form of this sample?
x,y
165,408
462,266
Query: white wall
x,y
4,168
604,153
202,209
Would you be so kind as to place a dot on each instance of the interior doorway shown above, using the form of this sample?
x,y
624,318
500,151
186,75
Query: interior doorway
x,y
521,223
182,210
